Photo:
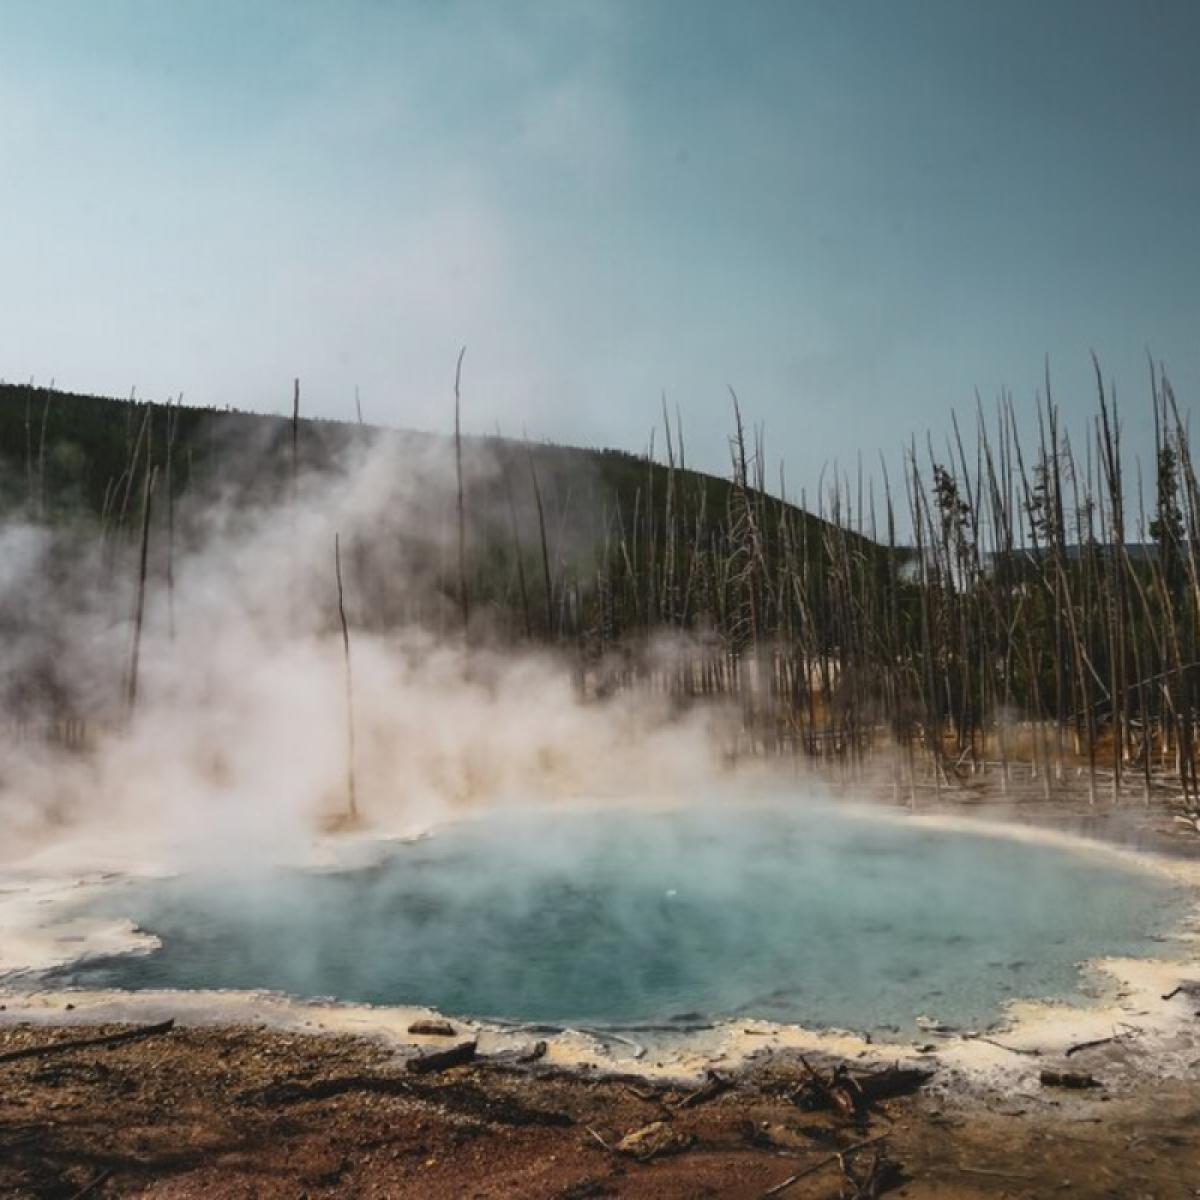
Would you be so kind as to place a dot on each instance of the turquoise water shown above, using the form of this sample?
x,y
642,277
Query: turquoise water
x,y
800,913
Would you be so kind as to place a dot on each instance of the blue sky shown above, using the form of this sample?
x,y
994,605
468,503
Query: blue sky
x,y
857,213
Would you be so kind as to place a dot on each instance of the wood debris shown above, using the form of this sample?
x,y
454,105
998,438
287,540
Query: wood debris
x,y
432,1028
1069,1079
441,1060
853,1094
109,1039
714,1087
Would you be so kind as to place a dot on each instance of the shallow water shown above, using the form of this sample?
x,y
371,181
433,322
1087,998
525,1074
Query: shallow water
x,y
806,913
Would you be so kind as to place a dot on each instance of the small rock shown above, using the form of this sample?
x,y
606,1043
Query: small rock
x,y
652,1140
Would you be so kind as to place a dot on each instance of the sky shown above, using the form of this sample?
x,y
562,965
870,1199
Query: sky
x,y
858,214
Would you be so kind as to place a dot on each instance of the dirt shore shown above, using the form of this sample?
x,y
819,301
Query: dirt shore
x,y
247,1112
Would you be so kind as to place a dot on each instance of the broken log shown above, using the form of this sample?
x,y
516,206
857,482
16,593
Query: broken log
x,y
891,1082
1069,1079
852,1095
828,1093
442,1060
108,1039
432,1028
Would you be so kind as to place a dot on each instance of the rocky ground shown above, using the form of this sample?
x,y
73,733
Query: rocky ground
x,y
247,1112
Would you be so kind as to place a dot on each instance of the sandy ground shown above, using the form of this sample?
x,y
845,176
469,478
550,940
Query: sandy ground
x,y
318,1102
247,1112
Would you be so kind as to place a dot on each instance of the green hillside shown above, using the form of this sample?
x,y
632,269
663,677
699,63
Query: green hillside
x,y
562,540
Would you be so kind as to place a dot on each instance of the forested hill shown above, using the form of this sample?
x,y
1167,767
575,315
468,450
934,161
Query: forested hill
x,y
660,543
63,452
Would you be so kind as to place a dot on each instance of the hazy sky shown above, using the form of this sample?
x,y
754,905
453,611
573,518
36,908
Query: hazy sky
x,y
854,212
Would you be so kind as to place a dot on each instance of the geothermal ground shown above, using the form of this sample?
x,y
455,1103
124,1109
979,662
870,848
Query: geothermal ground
x,y
247,1112
257,1096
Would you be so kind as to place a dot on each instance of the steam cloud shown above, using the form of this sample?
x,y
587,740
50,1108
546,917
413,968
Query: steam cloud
x,y
238,744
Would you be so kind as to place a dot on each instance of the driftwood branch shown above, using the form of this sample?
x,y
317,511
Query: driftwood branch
x,y
464,601
839,1157
108,1039
89,1188
351,793
1090,1045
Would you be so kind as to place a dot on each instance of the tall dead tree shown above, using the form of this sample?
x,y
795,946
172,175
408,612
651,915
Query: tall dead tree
x,y
41,474
351,795
139,611
547,578
295,438
464,602
172,430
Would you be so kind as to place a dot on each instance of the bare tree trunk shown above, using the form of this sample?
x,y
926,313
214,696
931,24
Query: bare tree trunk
x,y
140,605
541,515
41,506
295,438
351,795
172,429
464,603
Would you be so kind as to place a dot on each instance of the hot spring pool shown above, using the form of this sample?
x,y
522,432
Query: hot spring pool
x,y
807,913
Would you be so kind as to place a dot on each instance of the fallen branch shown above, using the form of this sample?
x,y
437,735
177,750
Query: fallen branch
x,y
1089,1045
992,1174
882,1176
608,1035
610,1149
1011,1049
108,1039
89,1188
839,1157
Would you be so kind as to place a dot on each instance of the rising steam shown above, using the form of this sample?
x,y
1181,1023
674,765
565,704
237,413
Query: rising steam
x,y
238,742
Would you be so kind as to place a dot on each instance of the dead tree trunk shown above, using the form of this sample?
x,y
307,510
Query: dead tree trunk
x,y
351,797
